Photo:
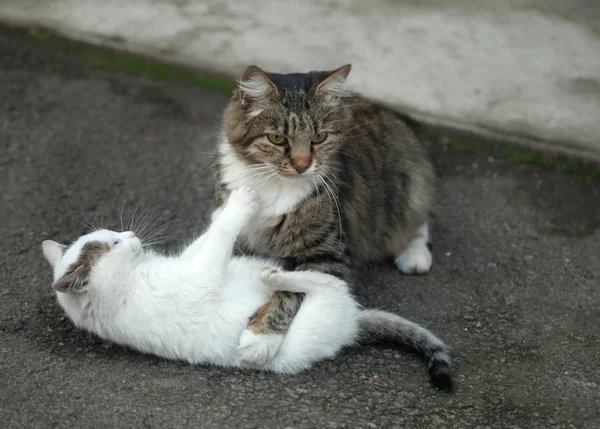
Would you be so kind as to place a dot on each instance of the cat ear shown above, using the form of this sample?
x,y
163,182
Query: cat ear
x,y
255,84
71,282
53,251
334,82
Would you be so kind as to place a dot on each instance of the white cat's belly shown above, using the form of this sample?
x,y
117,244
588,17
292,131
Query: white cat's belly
x,y
189,321
241,295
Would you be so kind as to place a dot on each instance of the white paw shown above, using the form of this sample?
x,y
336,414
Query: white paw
x,y
416,259
257,349
267,274
332,281
216,214
245,199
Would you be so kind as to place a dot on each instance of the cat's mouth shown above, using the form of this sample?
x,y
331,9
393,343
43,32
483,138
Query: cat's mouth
x,y
293,173
134,243
289,173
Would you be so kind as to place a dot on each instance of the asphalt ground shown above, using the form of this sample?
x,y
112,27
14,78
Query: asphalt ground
x,y
514,288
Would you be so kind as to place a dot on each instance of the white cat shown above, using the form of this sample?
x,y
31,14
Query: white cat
x,y
194,306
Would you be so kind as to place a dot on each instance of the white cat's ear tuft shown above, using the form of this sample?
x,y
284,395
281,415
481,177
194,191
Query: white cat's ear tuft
x,y
334,83
255,84
53,251
72,282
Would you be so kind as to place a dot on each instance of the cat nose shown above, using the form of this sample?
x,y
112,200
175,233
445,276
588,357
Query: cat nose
x,y
301,163
128,234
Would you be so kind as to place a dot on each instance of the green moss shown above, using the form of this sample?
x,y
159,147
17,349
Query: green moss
x,y
466,143
139,66
118,62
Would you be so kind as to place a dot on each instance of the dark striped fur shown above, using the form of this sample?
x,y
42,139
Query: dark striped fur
x,y
373,162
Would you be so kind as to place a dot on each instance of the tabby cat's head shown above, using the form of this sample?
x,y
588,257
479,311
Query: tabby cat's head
x,y
291,122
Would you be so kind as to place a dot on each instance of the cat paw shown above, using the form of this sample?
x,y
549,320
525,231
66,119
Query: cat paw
x,y
255,350
415,260
336,283
245,199
267,274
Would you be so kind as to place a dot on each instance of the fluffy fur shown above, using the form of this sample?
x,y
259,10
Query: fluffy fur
x,y
340,180
194,307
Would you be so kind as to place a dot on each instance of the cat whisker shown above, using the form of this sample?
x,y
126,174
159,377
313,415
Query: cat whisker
x,y
96,225
258,166
256,171
331,112
82,223
354,135
148,225
91,225
157,237
141,226
156,232
209,153
335,177
266,179
146,216
154,243
121,215
151,233
257,174
131,219
318,201
335,200
339,109
354,127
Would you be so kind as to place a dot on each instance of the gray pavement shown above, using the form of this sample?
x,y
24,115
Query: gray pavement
x,y
514,287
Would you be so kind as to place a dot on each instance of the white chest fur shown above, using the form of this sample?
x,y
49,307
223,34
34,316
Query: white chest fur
x,y
277,194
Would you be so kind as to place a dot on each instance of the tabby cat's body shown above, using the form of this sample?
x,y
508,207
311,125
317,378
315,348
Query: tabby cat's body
x,y
341,180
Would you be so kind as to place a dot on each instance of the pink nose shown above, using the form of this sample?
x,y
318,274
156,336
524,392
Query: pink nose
x,y
128,234
301,163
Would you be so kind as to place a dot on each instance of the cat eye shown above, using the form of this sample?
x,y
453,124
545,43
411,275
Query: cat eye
x,y
276,138
319,138
117,241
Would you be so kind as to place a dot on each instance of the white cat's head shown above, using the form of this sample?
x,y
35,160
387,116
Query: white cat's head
x,y
79,266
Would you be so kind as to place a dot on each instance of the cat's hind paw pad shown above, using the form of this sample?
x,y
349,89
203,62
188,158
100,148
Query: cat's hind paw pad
x,y
415,260
255,350
267,274
337,283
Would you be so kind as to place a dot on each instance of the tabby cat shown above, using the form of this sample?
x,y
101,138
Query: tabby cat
x,y
340,179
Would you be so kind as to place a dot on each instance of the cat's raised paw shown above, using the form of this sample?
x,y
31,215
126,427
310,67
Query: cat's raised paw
x,y
415,260
245,198
255,350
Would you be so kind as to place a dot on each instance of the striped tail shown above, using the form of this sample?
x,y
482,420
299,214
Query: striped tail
x,y
376,326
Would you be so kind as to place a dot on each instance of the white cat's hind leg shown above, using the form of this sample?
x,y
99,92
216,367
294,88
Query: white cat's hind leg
x,y
255,350
299,281
416,258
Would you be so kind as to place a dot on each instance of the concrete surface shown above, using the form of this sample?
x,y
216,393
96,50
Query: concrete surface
x,y
514,288
520,67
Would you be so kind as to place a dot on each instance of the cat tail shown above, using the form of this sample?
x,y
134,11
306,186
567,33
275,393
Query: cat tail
x,y
381,326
